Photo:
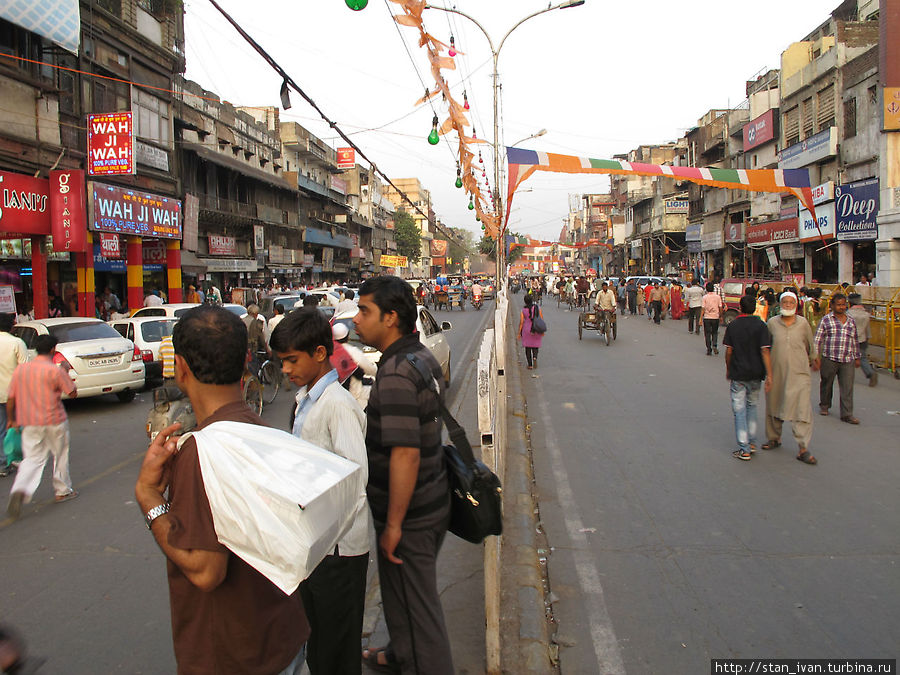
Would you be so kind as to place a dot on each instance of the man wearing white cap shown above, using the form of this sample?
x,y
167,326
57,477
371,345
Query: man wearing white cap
x,y
792,355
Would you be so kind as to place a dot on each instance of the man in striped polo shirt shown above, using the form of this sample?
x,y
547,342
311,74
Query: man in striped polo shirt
x,y
35,404
408,490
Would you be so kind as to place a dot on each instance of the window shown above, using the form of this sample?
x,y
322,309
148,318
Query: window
x,y
850,118
109,96
792,126
825,108
151,117
807,117
873,95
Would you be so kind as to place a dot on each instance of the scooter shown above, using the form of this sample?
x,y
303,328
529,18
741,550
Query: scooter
x,y
477,301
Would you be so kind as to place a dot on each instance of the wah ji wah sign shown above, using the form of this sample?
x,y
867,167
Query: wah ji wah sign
x,y
110,144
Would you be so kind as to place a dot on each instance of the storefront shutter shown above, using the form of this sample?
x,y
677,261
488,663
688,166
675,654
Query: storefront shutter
x,y
808,118
825,107
792,126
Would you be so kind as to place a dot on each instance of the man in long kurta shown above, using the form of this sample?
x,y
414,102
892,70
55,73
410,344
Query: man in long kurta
x,y
792,356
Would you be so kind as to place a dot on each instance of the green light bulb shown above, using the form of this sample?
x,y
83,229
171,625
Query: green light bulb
x,y
433,137
458,182
356,5
471,206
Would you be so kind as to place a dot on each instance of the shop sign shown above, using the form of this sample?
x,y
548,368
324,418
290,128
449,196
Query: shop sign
x,y
824,219
126,211
823,193
792,251
891,108
222,245
760,130
775,232
328,259
856,208
102,264
394,261
693,232
439,248
153,253
229,265
734,232
773,259
109,245
712,241
308,259
110,144
338,185
346,158
259,237
68,215
694,247
7,299
25,207
810,150
677,206
151,155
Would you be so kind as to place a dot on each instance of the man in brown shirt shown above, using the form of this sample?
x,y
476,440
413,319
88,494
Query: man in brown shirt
x,y
657,296
226,616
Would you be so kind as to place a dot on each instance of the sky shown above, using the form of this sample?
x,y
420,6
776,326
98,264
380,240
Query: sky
x,y
602,78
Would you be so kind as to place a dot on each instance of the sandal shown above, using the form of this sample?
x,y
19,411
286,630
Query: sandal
x,y
806,458
370,656
59,499
823,412
771,445
850,420
740,454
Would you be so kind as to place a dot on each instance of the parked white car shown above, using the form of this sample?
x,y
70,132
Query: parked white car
x,y
147,332
101,360
174,310
431,334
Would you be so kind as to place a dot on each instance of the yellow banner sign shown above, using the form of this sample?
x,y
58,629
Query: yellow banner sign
x,y
393,261
891,108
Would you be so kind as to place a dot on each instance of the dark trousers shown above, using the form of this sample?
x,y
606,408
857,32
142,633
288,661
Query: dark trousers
x,y
334,597
845,376
531,356
694,319
656,307
632,303
412,605
864,360
711,333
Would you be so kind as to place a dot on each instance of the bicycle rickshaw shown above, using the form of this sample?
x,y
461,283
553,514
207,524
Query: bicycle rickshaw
x,y
592,318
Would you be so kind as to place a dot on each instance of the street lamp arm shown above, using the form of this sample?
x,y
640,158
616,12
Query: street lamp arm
x,y
521,21
470,18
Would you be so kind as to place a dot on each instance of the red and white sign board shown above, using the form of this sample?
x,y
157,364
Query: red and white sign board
x,y
346,158
68,211
110,145
24,204
7,299
221,245
109,245
153,251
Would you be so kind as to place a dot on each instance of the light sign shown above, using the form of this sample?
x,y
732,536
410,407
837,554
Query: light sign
x,y
110,145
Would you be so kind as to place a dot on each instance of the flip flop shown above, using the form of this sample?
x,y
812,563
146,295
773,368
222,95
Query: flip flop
x,y
370,656
806,458
771,445
59,499
823,412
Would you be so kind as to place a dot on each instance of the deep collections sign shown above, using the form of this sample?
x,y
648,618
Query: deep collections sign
x,y
126,211
110,144
68,216
856,208
25,204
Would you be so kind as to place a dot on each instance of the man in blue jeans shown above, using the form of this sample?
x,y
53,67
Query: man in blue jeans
x,y
747,362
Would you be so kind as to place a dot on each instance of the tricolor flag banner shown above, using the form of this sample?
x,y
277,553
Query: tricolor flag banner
x,y
523,163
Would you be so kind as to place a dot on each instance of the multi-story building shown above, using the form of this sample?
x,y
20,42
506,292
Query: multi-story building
x,y
123,55
423,217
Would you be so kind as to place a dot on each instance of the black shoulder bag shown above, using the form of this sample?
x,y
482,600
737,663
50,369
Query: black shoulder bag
x,y
475,502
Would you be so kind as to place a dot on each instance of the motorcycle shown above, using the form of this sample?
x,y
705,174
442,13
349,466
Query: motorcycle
x,y
477,301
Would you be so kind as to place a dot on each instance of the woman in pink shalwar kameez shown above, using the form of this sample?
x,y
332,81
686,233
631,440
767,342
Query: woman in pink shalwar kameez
x,y
531,341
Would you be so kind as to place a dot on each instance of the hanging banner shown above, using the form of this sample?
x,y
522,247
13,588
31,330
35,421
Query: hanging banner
x,y
68,212
24,207
393,261
110,144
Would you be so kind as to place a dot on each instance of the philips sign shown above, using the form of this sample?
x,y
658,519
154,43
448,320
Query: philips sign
x,y
821,227
856,207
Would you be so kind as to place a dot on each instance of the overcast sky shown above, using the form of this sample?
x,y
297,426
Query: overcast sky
x,y
602,78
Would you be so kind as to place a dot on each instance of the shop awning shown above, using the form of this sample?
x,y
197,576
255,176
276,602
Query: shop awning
x,y
318,237
190,261
223,160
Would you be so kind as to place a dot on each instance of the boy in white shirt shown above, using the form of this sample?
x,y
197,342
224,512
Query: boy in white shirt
x,y
328,416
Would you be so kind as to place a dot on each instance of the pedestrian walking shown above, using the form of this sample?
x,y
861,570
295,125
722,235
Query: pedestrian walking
x,y
531,341
793,354
712,307
12,354
645,295
631,291
226,616
327,415
837,343
408,489
676,295
34,404
812,307
693,296
864,332
747,363
657,298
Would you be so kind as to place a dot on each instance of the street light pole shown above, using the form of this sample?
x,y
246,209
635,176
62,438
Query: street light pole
x,y
500,249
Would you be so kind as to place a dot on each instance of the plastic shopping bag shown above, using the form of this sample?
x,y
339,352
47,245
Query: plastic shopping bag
x,y
12,445
279,503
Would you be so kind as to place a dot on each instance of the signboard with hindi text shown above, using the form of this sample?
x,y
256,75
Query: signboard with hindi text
x,y
110,144
394,261
127,211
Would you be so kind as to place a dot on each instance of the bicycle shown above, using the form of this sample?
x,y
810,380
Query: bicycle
x,y
252,392
270,377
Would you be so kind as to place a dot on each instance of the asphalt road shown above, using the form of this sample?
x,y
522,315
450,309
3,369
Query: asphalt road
x,y
84,581
667,552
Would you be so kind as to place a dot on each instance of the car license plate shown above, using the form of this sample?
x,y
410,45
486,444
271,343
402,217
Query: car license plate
x,y
104,361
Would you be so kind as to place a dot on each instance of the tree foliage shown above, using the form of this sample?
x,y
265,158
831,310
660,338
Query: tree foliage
x,y
407,236
486,246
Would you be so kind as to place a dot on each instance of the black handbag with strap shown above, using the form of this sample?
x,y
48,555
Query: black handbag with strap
x,y
475,492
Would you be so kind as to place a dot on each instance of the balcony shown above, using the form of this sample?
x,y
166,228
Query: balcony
x,y
308,184
237,212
